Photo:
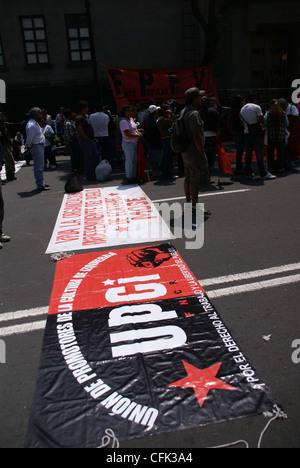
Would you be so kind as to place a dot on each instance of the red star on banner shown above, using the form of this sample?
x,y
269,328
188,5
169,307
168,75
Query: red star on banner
x,y
202,381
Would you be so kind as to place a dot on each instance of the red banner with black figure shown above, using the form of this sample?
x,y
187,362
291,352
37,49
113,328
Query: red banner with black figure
x,y
132,86
134,345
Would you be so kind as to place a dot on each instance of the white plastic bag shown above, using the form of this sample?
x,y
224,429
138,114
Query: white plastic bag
x,y
103,170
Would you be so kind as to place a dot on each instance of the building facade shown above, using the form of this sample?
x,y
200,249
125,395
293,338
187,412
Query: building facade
x,y
264,45
53,54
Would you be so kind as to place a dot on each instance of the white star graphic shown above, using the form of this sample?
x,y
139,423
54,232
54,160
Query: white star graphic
x,y
108,282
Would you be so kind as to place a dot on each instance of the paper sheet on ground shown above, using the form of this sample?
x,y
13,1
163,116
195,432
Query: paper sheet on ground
x,y
18,166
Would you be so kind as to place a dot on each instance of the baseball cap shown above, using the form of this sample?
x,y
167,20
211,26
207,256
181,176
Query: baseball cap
x,y
152,109
193,92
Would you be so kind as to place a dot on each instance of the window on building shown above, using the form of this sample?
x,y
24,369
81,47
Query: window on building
x,y
35,40
269,54
2,60
78,34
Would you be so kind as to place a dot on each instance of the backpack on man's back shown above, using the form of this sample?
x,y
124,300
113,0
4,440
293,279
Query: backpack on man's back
x,y
179,138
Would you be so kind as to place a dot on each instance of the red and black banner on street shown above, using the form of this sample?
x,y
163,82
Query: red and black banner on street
x,y
133,344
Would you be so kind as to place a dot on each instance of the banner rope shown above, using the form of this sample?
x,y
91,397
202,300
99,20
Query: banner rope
x,y
110,437
279,414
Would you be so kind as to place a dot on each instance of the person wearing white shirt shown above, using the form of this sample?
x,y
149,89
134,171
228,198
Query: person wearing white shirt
x,y
100,121
251,114
60,121
252,117
35,141
48,133
289,109
292,150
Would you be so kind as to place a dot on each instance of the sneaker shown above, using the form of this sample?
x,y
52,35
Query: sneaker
x,y
250,176
1,246
268,176
194,211
4,238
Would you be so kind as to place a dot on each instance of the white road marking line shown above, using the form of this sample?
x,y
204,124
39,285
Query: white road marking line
x,y
250,275
221,192
216,293
250,287
24,328
20,314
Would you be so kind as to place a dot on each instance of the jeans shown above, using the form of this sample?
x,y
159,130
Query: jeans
x,y
1,207
279,163
211,151
76,157
255,143
104,144
49,156
167,158
37,152
131,158
156,156
91,157
239,139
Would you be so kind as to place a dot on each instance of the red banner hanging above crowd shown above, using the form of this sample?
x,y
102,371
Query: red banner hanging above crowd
x,y
131,86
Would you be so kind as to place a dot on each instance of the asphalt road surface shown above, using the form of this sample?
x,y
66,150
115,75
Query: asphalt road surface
x,y
249,266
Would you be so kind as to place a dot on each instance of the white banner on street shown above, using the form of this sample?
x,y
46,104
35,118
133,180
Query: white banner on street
x,y
18,166
107,216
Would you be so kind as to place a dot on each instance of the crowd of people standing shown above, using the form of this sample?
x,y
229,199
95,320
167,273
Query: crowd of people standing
x,y
93,134
274,133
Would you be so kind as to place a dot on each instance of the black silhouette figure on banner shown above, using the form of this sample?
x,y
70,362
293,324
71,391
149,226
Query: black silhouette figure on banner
x,y
150,257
